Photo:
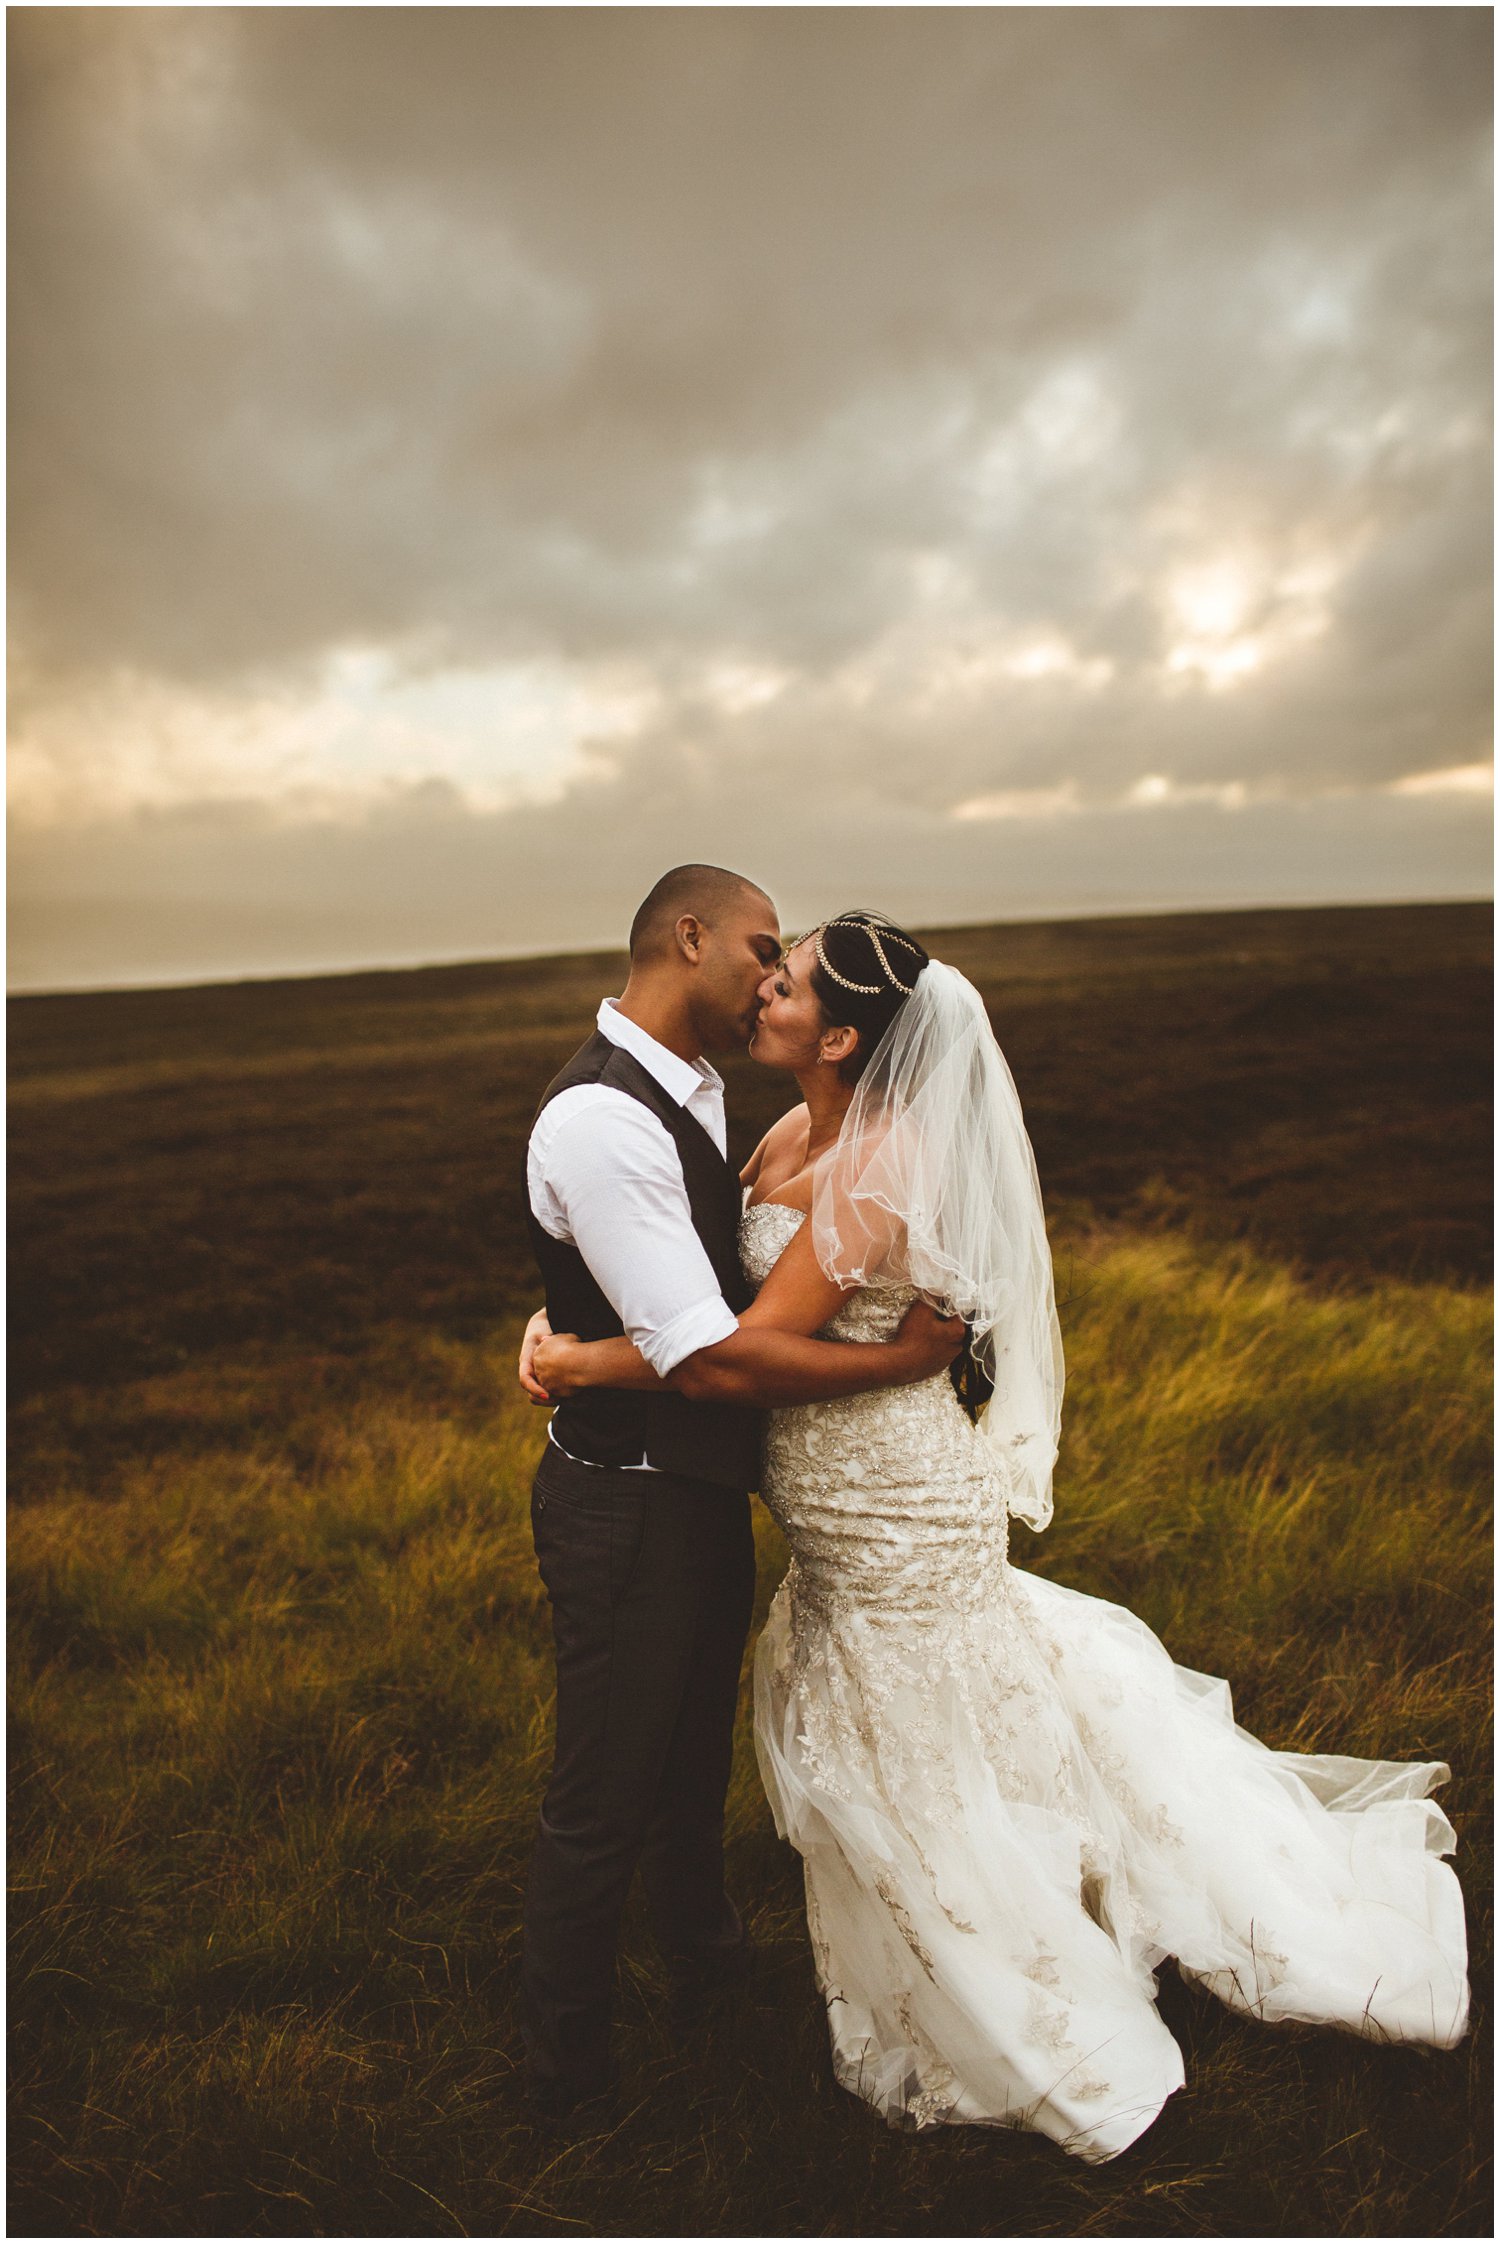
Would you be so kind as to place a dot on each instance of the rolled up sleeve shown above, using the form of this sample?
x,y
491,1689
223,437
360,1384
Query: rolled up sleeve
x,y
614,1177
702,1326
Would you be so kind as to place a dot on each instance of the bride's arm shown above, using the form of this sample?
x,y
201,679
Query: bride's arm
x,y
796,1297
762,1366
773,1358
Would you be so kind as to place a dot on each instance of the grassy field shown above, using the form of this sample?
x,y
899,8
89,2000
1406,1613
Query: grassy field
x,y
279,1656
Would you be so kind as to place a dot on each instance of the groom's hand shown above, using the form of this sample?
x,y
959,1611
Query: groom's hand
x,y
555,1365
932,1341
537,1330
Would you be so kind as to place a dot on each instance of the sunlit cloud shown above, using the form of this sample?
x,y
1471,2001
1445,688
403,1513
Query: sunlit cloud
x,y
1055,659
738,686
1155,791
361,726
1212,601
1218,663
1231,617
1020,802
1457,779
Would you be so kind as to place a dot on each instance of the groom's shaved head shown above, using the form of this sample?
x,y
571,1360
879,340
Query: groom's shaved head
x,y
707,891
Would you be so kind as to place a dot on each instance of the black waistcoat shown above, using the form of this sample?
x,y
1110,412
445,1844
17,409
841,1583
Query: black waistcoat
x,y
718,1442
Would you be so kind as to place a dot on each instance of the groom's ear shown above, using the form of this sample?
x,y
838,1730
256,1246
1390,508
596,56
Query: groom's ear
x,y
688,936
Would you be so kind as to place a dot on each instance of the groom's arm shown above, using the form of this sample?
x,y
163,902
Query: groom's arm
x,y
611,1181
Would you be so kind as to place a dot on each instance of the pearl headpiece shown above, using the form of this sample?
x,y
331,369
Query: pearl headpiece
x,y
866,989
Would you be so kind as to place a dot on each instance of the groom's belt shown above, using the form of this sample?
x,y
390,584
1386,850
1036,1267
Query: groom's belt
x,y
718,1442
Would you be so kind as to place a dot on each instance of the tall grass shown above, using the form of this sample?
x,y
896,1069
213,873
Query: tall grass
x,y
281,1706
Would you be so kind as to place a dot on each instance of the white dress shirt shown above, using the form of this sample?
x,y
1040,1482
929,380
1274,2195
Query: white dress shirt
x,y
603,1172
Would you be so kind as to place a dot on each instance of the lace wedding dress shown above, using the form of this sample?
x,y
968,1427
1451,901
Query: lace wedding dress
x,y
1011,1804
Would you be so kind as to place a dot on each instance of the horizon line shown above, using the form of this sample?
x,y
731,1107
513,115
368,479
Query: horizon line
x,y
508,957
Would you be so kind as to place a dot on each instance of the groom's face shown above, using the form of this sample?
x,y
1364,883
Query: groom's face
x,y
743,941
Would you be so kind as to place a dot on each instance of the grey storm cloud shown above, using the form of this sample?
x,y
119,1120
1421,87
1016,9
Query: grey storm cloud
x,y
839,344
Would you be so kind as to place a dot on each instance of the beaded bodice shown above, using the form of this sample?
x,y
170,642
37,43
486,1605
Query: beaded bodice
x,y
887,1500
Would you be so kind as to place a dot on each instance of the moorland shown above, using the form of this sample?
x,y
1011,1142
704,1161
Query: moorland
x,y
279,1676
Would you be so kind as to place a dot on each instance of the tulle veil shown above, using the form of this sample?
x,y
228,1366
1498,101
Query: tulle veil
x,y
932,1183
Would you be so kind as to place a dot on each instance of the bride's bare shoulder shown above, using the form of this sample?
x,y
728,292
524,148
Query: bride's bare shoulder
x,y
784,1133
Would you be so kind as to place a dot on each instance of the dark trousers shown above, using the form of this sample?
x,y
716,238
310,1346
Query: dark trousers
x,y
651,1578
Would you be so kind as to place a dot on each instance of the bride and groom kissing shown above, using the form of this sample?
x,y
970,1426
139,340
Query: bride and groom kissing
x,y
1010,1804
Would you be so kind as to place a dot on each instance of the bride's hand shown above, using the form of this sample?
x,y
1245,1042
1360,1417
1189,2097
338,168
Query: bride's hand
x,y
932,1340
560,1364
537,1330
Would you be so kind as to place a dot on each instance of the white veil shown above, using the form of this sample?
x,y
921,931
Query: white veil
x,y
932,1184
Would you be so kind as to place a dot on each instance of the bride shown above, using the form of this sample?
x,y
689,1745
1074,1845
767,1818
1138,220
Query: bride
x,y
1011,1805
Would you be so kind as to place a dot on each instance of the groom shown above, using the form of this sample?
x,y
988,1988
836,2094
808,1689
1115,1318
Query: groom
x,y
639,1509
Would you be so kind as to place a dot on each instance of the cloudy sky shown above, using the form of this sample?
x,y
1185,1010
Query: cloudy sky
x,y
986,463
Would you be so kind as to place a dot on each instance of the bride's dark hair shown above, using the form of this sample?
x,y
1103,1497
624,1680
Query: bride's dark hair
x,y
866,970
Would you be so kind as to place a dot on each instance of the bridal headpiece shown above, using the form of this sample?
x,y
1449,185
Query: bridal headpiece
x,y
877,937
932,1184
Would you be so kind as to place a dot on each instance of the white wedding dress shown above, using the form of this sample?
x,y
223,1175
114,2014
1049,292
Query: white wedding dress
x,y
1011,1804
